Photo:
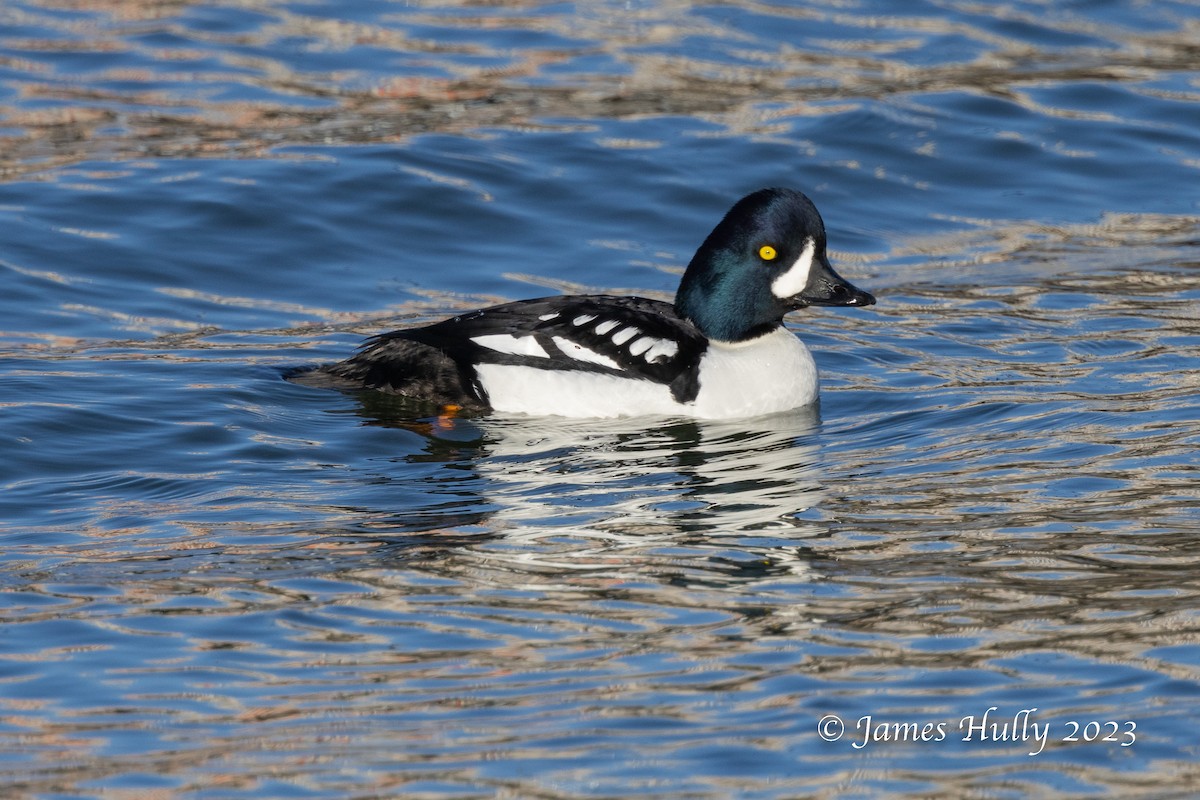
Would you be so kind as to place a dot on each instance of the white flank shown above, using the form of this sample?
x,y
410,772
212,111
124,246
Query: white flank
x,y
567,393
583,319
581,353
606,326
512,345
793,281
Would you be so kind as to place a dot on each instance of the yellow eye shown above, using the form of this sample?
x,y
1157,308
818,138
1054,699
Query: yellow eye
x,y
766,253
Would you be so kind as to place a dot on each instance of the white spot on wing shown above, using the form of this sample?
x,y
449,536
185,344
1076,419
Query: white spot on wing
x,y
512,345
639,346
624,335
606,326
581,353
663,348
793,280
548,317
583,319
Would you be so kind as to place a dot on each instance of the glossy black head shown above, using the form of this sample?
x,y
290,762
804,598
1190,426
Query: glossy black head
x,y
764,259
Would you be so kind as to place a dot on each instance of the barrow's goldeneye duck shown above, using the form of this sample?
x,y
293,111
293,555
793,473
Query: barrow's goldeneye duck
x,y
720,351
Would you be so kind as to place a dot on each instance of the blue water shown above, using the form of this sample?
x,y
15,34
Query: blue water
x,y
217,584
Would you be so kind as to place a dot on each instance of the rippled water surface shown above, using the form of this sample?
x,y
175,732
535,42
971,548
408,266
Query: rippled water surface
x,y
215,583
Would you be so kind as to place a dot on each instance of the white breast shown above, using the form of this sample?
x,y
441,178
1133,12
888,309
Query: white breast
x,y
772,373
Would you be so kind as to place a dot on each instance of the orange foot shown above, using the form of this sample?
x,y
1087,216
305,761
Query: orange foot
x,y
445,420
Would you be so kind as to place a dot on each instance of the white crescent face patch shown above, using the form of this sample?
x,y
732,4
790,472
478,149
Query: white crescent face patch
x,y
792,281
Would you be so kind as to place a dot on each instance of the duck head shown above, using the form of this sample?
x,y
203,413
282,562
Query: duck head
x,y
764,259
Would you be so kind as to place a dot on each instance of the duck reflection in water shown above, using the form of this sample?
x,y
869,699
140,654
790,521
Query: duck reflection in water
x,y
555,494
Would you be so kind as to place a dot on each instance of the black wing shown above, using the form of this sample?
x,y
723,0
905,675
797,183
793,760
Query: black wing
x,y
625,336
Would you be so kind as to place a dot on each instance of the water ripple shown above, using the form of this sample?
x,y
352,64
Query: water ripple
x,y
216,581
